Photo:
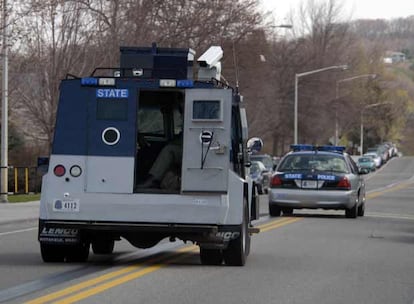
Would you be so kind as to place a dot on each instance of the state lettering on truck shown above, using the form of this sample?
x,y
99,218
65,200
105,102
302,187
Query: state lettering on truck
x,y
155,148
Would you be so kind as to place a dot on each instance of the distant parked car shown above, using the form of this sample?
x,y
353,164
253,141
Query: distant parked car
x,y
366,162
261,176
377,159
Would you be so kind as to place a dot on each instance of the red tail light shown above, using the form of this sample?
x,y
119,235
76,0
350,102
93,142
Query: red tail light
x,y
344,183
59,170
276,181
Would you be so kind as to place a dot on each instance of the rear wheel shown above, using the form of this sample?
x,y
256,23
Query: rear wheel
x,y
52,253
352,212
236,252
211,256
287,211
274,210
77,253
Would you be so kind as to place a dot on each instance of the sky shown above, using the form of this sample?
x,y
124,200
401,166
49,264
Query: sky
x,y
356,9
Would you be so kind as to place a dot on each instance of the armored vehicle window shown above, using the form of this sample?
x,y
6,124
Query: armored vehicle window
x,y
111,109
206,110
151,120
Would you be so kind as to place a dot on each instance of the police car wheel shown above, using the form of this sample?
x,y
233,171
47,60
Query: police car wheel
x,y
352,212
52,253
211,256
103,246
287,211
78,253
237,250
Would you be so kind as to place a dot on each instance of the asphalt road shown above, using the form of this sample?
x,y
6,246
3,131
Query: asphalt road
x,y
314,256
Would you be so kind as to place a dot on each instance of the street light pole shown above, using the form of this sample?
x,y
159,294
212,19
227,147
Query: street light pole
x,y
4,110
361,136
295,116
372,76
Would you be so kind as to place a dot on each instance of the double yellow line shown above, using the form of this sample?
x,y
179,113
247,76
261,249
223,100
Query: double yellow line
x,y
99,284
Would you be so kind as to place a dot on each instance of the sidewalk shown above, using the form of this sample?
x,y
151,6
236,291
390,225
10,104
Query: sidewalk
x,y
18,212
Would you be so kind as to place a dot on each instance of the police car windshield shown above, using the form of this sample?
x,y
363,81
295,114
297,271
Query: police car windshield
x,y
319,162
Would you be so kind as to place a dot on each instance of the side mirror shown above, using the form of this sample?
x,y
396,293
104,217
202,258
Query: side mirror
x,y
255,144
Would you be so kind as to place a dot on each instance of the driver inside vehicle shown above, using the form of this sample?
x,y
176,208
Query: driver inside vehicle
x,y
165,172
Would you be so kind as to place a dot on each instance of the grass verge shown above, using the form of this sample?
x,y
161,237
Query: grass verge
x,y
23,198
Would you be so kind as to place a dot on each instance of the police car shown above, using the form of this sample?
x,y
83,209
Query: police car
x,y
153,149
317,177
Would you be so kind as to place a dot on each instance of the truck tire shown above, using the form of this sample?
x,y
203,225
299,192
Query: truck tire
x,y
236,252
52,253
211,256
103,246
77,253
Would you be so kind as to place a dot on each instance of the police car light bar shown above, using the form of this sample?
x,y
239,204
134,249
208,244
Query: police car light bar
x,y
302,147
339,149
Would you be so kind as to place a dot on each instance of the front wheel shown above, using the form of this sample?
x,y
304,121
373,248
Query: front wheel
x,y
236,252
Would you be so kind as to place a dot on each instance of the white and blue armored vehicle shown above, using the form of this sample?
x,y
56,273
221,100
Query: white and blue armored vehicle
x,y
154,149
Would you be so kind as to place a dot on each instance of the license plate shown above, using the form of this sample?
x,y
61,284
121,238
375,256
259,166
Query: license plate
x,y
309,184
66,205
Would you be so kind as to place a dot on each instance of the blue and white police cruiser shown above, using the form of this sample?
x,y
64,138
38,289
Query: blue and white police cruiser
x,y
317,177
145,152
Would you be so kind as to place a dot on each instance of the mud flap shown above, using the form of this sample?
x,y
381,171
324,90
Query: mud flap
x,y
51,234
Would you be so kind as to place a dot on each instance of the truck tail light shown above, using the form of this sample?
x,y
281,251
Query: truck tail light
x,y
59,170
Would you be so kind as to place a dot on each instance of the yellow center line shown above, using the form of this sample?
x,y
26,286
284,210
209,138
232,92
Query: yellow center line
x,y
129,277
271,223
95,281
278,224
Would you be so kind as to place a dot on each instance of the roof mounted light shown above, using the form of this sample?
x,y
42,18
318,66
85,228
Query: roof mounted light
x,y
89,81
106,81
168,83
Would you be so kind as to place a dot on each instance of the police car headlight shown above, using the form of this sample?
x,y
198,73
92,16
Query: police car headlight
x,y
75,171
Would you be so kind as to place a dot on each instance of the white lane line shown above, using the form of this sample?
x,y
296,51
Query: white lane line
x,y
390,215
17,231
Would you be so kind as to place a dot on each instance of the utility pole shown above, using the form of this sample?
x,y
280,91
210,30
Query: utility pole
x,y
4,111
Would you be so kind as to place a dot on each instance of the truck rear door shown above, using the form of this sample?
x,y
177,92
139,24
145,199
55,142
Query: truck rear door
x,y
206,162
111,140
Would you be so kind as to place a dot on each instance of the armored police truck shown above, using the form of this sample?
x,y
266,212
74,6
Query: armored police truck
x,y
154,149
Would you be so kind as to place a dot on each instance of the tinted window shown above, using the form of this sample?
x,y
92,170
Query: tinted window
x,y
112,109
206,109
